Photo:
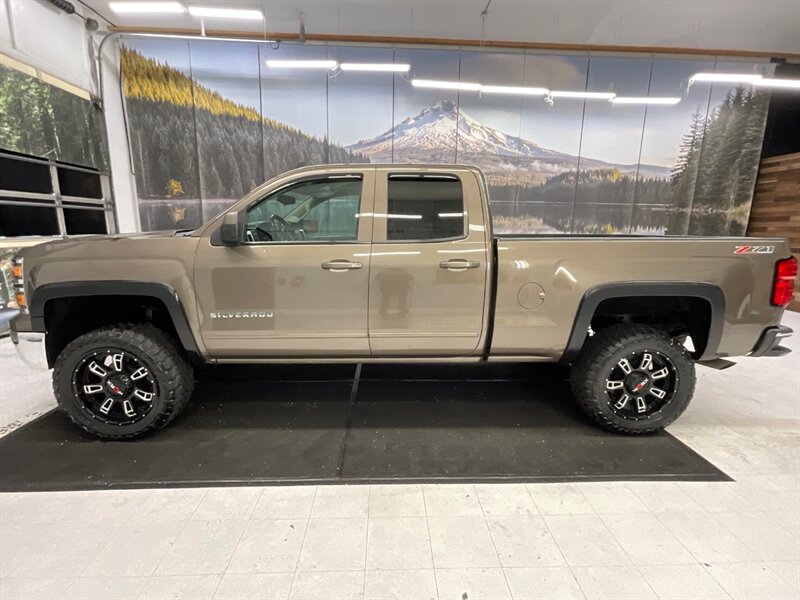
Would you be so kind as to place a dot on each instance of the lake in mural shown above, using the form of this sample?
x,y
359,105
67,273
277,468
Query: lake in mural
x,y
210,120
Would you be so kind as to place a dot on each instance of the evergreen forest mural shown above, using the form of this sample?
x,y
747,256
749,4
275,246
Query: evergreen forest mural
x,y
209,121
40,119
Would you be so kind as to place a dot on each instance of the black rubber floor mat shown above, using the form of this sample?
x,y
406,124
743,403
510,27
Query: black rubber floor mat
x,y
321,424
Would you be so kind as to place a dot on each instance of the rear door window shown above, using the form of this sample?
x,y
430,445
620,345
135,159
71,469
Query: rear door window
x,y
424,207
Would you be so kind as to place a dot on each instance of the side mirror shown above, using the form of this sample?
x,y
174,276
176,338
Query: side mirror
x,y
230,233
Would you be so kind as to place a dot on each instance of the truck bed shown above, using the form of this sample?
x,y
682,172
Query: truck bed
x,y
565,269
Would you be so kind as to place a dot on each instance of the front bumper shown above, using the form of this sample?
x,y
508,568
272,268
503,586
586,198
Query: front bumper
x,y
30,348
769,342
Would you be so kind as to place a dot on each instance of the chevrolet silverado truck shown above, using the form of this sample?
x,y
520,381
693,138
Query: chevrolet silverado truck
x,y
392,263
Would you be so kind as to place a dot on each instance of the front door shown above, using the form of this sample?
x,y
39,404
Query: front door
x,y
429,264
298,283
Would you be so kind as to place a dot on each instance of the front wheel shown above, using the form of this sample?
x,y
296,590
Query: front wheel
x,y
633,379
122,381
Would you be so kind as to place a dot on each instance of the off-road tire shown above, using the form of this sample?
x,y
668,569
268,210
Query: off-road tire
x,y
598,357
152,347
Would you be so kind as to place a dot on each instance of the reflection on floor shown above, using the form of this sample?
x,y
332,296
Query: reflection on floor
x,y
598,540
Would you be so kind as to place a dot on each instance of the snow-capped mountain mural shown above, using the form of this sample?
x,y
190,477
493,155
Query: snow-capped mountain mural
x,y
208,122
433,134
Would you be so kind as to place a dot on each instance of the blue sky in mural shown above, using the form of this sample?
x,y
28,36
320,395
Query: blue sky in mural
x,y
351,107
588,166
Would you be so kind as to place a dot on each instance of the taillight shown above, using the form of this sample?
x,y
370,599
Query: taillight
x,y
785,275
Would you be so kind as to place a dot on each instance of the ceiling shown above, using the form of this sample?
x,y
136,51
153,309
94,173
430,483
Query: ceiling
x,y
746,25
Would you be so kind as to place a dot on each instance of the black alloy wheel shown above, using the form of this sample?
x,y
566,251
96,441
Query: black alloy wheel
x,y
641,384
114,386
122,381
633,379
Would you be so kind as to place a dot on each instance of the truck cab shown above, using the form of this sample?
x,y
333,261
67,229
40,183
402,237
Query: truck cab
x,y
350,261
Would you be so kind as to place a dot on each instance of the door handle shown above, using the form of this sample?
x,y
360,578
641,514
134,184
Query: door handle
x,y
457,264
341,265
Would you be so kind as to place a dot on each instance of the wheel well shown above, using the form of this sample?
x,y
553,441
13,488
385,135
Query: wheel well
x,y
676,315
67,318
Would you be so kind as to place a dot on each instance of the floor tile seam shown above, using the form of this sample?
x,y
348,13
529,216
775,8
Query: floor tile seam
x,y
563,556
491,537
302,543
430,539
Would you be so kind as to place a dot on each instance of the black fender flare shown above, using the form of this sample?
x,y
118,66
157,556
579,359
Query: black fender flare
x,y
593,297
76,289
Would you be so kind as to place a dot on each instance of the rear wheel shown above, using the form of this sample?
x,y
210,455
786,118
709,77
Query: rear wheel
x,y
633,379
122,381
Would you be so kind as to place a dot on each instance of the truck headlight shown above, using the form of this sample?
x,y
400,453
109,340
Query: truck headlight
x,y
18,284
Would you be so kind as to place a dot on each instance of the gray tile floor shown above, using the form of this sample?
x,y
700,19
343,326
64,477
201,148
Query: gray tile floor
x,y
463,542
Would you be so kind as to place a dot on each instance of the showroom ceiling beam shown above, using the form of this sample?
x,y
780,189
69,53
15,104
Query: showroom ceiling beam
x,y
377,39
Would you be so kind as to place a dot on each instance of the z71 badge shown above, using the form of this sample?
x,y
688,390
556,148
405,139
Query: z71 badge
x,y
754,250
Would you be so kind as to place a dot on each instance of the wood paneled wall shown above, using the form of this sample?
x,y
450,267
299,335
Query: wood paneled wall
x,y
776,204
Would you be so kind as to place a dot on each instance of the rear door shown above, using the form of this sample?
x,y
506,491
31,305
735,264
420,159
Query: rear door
x,y
298,283
429,266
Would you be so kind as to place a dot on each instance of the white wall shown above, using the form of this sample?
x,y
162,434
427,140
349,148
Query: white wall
x,y
44,37
756,25
40,35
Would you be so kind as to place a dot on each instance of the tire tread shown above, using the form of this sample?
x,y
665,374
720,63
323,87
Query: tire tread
x,y
175,389
587,370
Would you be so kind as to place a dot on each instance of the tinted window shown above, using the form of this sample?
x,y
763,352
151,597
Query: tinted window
x,y
24,176
425,208
79,183
315,210
81,221
27,220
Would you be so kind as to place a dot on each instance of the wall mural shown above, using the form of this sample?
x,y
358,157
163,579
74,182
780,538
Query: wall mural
x,y
209,120
43,120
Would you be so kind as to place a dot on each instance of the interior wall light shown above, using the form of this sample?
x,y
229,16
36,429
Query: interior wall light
x,y
226,13
786,84
382,67
510,89
724,78
652,100
584,95
145,7
302,64
446,85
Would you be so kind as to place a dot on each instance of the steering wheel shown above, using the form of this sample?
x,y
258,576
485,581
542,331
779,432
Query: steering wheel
x,y
283,225
264,232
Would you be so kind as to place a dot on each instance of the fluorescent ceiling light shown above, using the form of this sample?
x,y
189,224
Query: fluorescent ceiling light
x,y
388,67
585,95
454,215
510,89
787,84
302,64
226,13
725,77
410,217
146,7
652,100
446,85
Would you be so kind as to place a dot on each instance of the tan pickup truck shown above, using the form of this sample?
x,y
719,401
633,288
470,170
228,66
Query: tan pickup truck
x,y
392,263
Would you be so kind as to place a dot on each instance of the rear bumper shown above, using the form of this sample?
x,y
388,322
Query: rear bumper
x,y
769,342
